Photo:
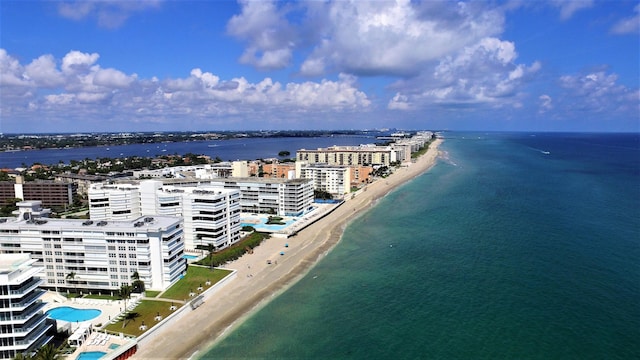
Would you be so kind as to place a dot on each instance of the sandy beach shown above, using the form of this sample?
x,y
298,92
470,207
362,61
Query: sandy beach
x,y
257,282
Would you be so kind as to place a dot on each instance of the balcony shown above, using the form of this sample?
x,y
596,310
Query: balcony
x,y
24,289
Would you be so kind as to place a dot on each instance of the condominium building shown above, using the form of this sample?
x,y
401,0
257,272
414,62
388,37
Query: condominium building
x,y
97,256
201,171
336,180
288,197
23,324
211,214
279,170
51,193
350,155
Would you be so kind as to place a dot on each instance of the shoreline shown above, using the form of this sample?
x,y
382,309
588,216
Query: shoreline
x,y
258,282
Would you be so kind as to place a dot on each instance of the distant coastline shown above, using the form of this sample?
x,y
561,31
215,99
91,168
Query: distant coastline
x,y
246,294
27,142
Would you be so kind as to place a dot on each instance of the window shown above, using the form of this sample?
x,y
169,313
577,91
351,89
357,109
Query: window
x,y
132,256
113,248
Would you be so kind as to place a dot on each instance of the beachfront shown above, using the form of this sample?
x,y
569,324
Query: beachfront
x,y
257,281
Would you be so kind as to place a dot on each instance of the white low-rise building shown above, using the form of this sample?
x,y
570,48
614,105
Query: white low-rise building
x,y
98,256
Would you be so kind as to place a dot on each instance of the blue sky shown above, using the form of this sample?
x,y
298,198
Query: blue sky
x,y
78,66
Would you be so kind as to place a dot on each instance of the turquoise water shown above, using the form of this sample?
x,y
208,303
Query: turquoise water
x,y
70,314
514,246
90,355
262,226
189,257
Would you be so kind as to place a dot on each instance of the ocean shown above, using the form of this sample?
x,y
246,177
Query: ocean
x,y
514,246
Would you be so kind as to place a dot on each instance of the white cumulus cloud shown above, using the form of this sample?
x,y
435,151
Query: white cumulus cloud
x,y
81,89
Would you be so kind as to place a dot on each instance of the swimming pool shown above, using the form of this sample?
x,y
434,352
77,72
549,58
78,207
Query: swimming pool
x,y
189,257
67,313
260,223
91,355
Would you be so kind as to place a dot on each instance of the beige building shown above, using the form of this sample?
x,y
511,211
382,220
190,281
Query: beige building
x,y
350,155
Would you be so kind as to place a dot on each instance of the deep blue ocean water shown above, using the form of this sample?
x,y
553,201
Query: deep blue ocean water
x,y
514,246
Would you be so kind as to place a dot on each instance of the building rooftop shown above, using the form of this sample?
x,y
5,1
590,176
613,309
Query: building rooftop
x,y
12,262
144,222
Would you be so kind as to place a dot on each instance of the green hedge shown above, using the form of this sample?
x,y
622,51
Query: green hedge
x,y
234,251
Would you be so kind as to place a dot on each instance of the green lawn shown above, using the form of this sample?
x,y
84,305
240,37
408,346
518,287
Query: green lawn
x,y
145,313
151,293
102,297
196,276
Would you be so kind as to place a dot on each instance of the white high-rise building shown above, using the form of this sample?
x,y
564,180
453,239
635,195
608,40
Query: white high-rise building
x,y
23,323
211,214
97,256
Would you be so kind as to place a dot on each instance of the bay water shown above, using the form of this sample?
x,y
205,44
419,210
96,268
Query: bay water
x,y
226,150
514,246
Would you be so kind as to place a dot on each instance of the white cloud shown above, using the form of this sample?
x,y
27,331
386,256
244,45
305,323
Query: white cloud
x,y
396,37
76,61
483,73
546,103
360,37
44,72
267,32
399,102
569,7
109,14
112,78
598,92
80,89
629,25
10,71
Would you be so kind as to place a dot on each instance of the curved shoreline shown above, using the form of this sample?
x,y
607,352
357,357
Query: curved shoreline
x,y
258,282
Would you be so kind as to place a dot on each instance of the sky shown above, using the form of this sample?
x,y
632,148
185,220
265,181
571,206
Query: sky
x,y
122,66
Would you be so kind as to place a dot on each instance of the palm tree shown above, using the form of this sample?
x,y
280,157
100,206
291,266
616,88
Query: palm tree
x,y
125,294
21,356
70,277
47,352
136,283
210,249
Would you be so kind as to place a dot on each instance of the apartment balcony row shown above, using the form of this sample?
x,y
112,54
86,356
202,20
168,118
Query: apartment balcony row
x,y
21,317
22,290
29,341
26,328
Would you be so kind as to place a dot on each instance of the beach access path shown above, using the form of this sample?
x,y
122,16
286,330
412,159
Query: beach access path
x,y
257,281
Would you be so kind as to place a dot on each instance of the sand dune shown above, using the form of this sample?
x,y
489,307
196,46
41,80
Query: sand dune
x,y
257,282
